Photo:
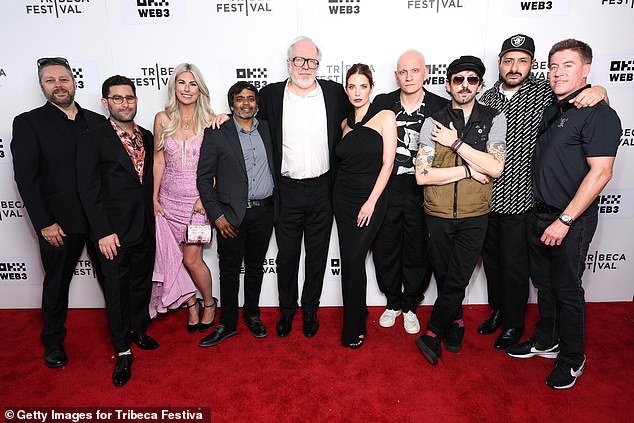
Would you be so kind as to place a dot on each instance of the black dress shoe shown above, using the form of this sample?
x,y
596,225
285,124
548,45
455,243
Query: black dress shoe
x,y
122,370
143,341
217,336
256,326
55,357
508,337
491,324
310,325
284,325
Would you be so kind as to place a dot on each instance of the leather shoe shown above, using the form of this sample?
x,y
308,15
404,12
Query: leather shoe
x,y
55,357
508,337
310,325
491,324
256,326
217,336
144,341
284,325
122,370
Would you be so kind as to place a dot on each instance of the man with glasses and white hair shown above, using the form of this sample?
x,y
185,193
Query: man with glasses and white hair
x,y
462,147
305,116
43,149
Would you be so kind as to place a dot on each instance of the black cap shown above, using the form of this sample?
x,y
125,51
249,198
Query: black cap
x,y
519,42
471,63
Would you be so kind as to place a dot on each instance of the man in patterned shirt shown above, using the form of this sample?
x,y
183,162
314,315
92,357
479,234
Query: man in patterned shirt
x,y
522,98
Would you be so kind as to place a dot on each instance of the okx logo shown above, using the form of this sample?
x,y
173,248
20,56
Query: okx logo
x,y
622,70
256,76
335,266
155,76
13,271
153,8
616,204
344,7
2,154
244,7
436,74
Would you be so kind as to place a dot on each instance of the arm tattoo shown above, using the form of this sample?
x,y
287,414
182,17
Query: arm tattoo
x,y
424,159
498,150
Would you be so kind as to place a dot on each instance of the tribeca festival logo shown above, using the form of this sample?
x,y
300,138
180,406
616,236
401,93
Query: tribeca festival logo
x,y
342,7
155,76
57,8
436,5
627,137
436,74
3,74
85,268
11,209
13,271
268,266
255,76
244,6
336,72
335,266
628,3
540,69
153,8
598,261
621,70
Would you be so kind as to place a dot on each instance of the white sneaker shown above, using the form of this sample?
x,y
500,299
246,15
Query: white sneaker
x,y
410,323
388,318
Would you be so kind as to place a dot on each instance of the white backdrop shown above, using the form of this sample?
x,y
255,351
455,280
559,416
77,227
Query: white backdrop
x,y
247,39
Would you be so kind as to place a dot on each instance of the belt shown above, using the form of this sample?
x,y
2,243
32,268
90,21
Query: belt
x,y
545,208
306,180
260,203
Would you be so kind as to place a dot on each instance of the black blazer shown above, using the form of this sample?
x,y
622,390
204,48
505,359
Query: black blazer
x,y
43,149
113,197
433,102
221,157
271,101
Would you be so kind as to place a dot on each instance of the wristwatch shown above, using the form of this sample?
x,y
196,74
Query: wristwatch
x,y
566,219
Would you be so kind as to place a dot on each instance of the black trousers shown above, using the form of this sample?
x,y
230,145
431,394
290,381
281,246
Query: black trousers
x,y
403,270
305,211
556,273
454,248
505,259
251,243
59,265
127,288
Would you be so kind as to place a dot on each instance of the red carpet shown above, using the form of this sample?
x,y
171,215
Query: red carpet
x,y
299,379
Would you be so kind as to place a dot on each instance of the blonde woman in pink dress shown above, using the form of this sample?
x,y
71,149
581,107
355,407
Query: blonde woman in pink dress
x,y
179,268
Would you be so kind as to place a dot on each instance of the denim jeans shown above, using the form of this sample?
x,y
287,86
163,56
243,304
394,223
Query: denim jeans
x,y
556,273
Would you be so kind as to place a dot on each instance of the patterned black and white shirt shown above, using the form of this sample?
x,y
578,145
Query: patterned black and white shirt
x,y
513,190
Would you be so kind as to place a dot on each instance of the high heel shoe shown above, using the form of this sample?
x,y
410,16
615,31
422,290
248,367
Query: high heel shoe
x,y
203,327
196,326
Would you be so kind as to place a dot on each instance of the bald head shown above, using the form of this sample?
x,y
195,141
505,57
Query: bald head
x,y
411,72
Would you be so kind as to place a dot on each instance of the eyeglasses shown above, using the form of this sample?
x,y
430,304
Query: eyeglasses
x,y
118,99
46,61
301,61
472,80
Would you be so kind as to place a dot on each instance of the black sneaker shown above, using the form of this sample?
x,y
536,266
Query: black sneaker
x,y
565,374
453,339
430,347
532,348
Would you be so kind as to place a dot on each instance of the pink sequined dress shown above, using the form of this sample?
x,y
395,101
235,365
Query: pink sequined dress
x,y
172,285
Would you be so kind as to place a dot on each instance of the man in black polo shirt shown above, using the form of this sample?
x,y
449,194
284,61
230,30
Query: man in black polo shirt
x,y
564,219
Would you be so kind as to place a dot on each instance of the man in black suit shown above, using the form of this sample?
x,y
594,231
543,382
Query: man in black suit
x,y
305,117
239,157
43,148
114,171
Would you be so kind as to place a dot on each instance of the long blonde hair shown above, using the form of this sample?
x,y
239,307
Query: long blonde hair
x,y
202,112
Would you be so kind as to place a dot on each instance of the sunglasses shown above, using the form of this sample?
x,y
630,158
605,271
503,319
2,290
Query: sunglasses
x,y
472,80
46,61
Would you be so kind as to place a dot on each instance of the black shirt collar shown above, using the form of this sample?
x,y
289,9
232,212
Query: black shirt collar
x,y
60,112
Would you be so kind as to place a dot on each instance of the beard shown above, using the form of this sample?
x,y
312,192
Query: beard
x,y
302,83
61,102
122,117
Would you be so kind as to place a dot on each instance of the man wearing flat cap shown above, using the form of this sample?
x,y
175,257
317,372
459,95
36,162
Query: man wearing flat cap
x,y
462,148
522,98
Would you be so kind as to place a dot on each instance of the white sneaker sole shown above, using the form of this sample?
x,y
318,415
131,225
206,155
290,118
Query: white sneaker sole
x,y
412,331
535,354
389,323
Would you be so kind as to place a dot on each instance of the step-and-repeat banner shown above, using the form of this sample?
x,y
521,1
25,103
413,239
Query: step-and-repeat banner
x,y
247,40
